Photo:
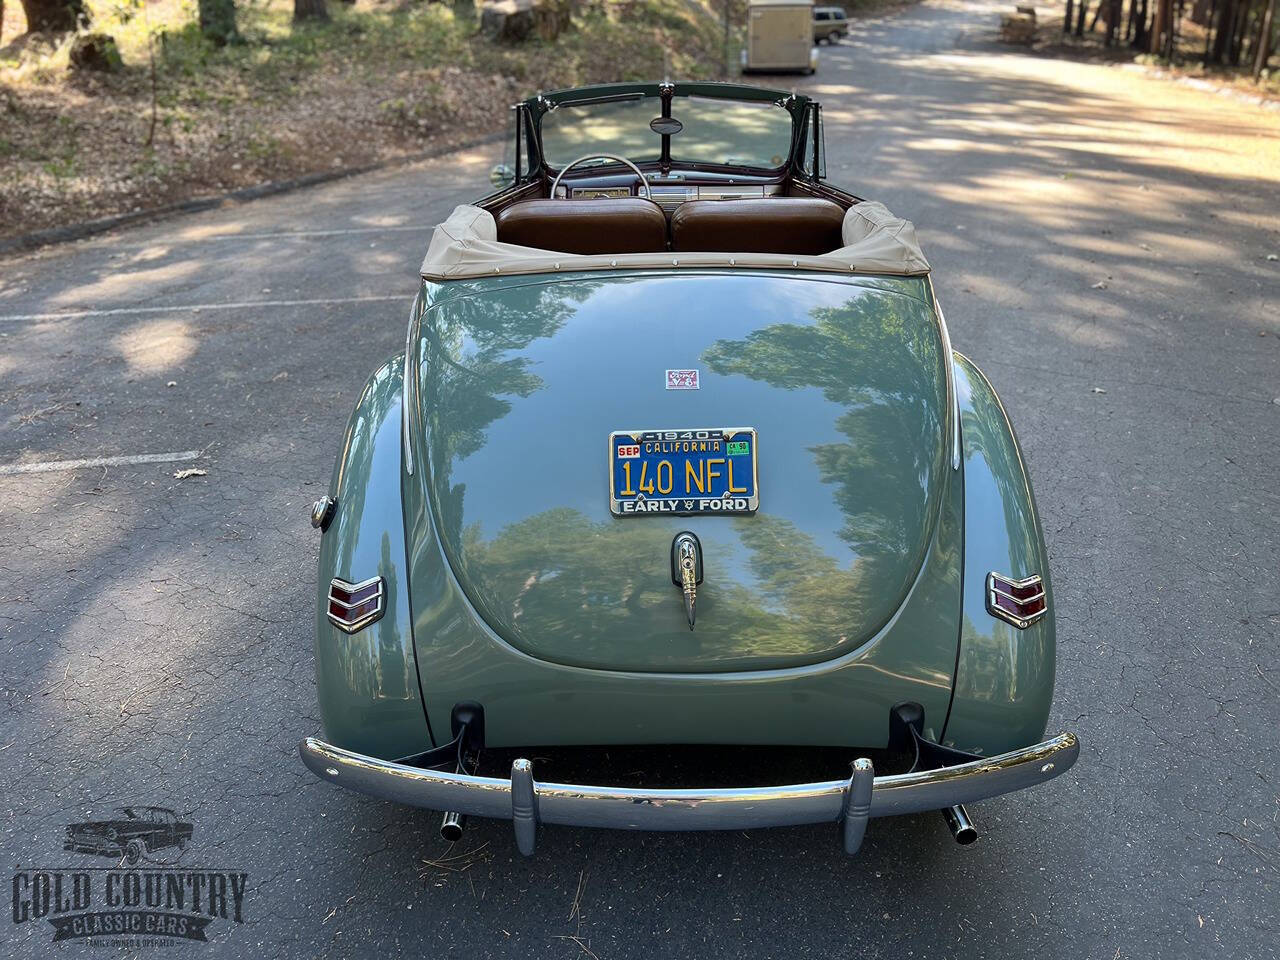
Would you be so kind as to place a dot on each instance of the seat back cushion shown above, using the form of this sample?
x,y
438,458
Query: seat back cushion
x,y
801,226
612,225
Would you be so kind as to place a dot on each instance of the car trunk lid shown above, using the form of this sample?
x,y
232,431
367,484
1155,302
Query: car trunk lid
x,y
521,384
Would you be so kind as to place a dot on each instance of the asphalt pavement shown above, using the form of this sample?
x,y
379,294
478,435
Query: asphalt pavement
x,y
1100,242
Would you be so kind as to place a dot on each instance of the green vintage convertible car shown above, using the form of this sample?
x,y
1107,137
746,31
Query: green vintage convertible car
x,y
678,452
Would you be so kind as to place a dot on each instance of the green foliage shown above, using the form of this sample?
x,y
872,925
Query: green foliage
x,y
149,166
418,71
603,45
95,51
218,21
62,166
58,156
275,51
263,147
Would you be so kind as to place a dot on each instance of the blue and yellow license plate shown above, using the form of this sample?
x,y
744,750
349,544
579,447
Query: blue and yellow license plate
x,y
683,472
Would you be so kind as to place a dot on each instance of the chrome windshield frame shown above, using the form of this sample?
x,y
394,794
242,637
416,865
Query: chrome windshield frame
x,y
797,105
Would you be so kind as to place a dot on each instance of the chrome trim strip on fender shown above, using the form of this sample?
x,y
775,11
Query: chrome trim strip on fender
x,y
527,803
404,386
953,395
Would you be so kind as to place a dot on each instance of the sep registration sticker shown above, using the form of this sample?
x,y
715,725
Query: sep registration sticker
x,y
683,472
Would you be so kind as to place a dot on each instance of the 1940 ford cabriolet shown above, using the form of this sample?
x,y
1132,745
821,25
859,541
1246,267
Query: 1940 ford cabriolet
x,y
678,452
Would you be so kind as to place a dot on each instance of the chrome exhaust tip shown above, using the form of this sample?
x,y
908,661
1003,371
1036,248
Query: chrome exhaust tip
x,y
961,827
451,827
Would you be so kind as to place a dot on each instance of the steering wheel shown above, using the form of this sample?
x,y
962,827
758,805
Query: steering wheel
x,y
600,156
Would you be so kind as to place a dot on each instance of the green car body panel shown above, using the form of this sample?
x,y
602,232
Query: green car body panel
x,y
520,388
1004,679
367,682
857,585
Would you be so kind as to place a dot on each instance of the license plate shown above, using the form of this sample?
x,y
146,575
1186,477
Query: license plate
x,y
683,472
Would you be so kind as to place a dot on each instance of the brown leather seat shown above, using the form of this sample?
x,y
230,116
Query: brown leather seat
x,y
614,225
803,226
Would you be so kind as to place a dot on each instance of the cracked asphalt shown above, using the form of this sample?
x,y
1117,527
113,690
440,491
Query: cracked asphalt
x,y
1100,241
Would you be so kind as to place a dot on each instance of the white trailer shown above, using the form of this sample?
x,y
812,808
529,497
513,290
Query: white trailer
x,y
779,37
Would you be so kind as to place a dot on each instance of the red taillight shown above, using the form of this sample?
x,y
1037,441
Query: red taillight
x,y
353,606
1020,602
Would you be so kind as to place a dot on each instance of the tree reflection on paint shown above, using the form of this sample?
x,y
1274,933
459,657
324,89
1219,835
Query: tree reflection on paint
x,y
879,358
471,361
557,573
559,582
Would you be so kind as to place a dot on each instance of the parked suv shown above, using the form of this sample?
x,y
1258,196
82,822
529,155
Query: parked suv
x,y
829,24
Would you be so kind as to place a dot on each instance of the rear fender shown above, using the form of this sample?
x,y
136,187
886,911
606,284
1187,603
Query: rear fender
x,y
367,682
1004,676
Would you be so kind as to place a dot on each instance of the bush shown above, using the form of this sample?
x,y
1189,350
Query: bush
x,y
95,51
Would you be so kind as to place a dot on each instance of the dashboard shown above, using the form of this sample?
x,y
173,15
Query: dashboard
x,y
671,190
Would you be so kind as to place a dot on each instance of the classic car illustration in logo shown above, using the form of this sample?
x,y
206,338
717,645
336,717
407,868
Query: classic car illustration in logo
x,y
132,835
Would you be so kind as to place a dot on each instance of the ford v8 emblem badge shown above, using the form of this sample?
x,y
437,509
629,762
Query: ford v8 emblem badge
x,y
682,380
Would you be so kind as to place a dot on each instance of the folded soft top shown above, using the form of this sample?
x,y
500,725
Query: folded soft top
x,y
467,245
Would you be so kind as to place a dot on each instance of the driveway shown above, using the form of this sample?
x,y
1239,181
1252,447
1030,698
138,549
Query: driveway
x,y
1100,243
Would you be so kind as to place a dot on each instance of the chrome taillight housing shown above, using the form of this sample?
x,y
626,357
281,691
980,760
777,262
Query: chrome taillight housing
x,y
1019,602
353,606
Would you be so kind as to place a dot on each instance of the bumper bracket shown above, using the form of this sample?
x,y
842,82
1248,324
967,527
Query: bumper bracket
x,y
857,805
524,806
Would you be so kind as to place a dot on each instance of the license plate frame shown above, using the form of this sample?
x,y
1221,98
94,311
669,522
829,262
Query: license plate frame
x,y
631,500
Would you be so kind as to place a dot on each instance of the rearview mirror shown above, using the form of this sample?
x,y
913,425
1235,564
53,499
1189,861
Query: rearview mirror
x,y
502,176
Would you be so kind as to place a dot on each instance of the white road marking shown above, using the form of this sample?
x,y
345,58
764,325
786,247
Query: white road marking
x,y
195,307
52,466
287,234
273,235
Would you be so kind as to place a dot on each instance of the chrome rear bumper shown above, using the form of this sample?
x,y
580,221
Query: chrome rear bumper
x,y
528,803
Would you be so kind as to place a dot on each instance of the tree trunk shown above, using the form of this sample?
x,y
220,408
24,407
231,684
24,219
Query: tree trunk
x,y
1222,32
1066,20
1232,52
1171,42
1084,8
1263,46
310,10
218,21
1159,26
1242,29
725,52
54,15
1114,18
